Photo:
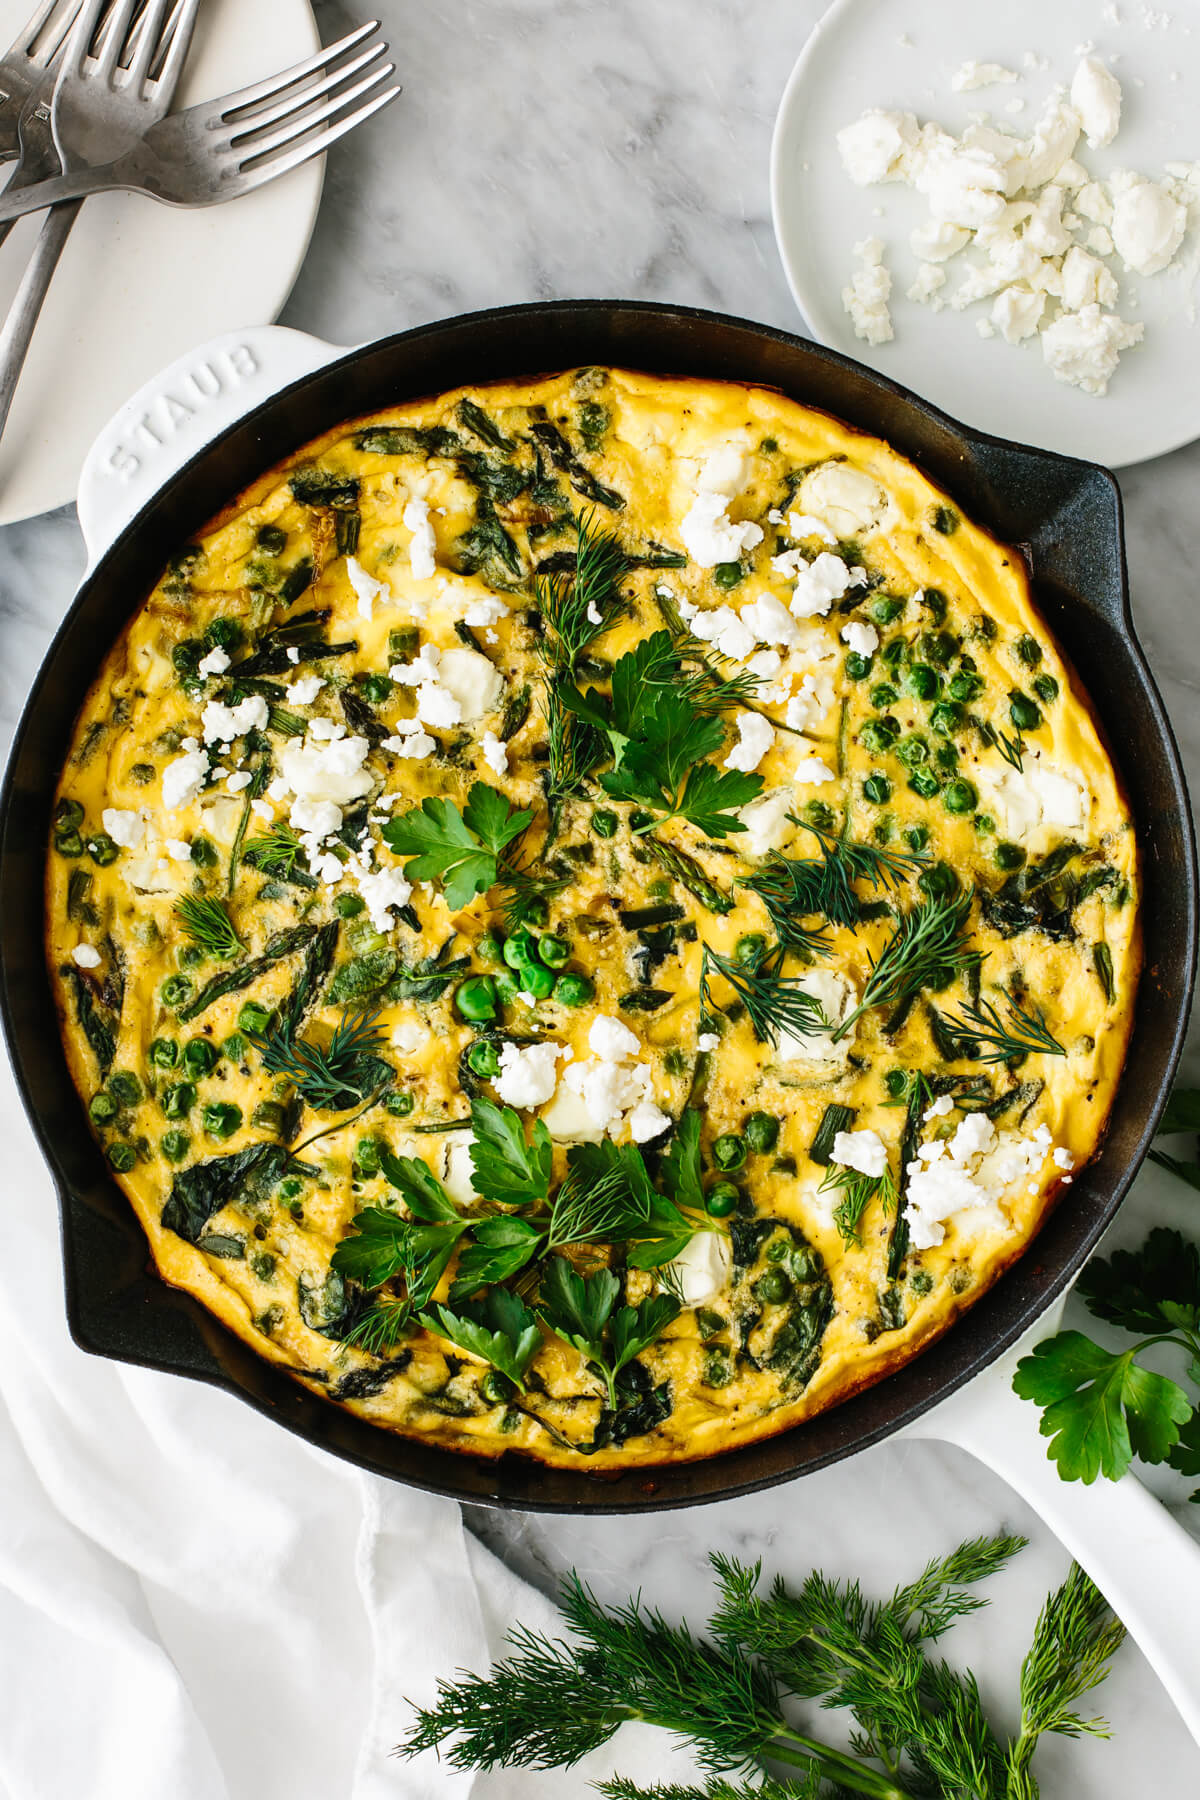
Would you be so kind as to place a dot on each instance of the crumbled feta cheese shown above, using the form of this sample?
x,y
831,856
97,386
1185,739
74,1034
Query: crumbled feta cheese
x,y
612,1041
975,1134
930,277
770,622
862,639
818,583
316,818
215,663
1096,97
436,705
85,957
488,609
262,809
425,666
222,724
326,731
647,1121
964,183
876,147
710,536
332,771
766,822
126,829
866,296
852,503
1147,223
935,1192
936,241
1062,1158
412,746
304,691
408,1035
529,1075
241,778
722,627
422,549
702,1269
707,1042
1083,348
293,654
1086,281
811,771
1035,796
184,777
806,709
383,892
861,1150
937,1109
1093,203
724,469
1016,312
971,75
178,849
1100,241
366,587
755,737
475,683
495,753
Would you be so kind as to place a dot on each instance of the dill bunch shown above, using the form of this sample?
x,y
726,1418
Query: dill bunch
x,y
336,1075
777,1005
981,1034
206,923
925,950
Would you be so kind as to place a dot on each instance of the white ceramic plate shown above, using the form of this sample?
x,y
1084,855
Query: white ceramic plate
x,y
855,59
140,283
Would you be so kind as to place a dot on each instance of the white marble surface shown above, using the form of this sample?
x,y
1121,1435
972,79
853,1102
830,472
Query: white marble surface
x,y
567,147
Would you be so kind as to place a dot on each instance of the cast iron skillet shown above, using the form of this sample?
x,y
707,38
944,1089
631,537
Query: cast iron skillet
x,y
1067,516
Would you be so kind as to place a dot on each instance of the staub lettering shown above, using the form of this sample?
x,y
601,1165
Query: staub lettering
x,y
172,411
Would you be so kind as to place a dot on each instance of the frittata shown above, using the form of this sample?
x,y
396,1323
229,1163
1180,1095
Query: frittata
x,y
590,917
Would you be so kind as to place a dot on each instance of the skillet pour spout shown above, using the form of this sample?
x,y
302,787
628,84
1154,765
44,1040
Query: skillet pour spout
x,y
1066,515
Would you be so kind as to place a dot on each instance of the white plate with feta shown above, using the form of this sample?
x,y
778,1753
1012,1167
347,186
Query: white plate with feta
x,y
1046,161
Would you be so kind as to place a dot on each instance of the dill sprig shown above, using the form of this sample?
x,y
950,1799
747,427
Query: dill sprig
x,y
790,892
982,1035
925,949
800,888
276,852
336,1075
378,1330
1012,749
777,1004
575,745
577,607
207,923
857,1191
921,1729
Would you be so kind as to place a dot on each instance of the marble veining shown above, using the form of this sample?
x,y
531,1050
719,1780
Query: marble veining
x,y
578,149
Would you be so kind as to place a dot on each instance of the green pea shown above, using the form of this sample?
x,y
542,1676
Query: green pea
x,y
959,797
254,1016
102,850
178,1101
221,1119
883,695
102,1108
761,1132
773,1286
68,814
946,718
750,949
946,758
573,990
521,947
896,1082
895,652
175,1145
366,1156
1025,713
199,1057
729,1152
938,881
163,1053
125,1088
1008,857
349,906
377,689
536,979
235,1047
925,783
122,1157
68,843
1028,650
728,574
604,823
913,750
917,837
877,789
878,735
887,607
923,681
938,646
554,952
965,686
709,1324
490,948
935,603
984,823
721,1199
945,520
190,956
719,1369
399,1105
484,1059
269,1115
289,1188
475,998
1045,687
496,1388
535,912
271,538
508,986
857,667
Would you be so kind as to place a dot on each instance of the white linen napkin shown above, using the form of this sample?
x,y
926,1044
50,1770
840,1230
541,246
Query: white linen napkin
x,y
195,1603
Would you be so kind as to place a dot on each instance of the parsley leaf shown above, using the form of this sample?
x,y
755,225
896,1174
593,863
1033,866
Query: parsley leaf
x,y
462,850
498,1249
417,1186
501,1330
507,1169
1147,1289
1101,1407
579,1309
681,1162
384,1245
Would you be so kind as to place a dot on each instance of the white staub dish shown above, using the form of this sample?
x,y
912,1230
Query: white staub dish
x,y
139,282
903,57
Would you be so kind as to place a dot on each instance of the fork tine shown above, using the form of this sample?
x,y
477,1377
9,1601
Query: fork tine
x,y
276,84
113,36
82,32
144,39
181,27
252,144
259,120
263,167
26,41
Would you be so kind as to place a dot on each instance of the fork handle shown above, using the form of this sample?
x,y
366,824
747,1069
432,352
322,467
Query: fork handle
x,y
16,202
18,328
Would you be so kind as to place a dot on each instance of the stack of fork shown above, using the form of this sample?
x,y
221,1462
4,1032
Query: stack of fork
x,y
85,94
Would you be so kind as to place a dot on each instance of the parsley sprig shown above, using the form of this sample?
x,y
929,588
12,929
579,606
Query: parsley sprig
x,y
583,1311
468,850
921,1728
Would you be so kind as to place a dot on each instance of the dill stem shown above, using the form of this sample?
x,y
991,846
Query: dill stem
x,y
834,1765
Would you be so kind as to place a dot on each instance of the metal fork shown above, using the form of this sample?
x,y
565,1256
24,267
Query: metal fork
x,y
33,51
122,64
223,148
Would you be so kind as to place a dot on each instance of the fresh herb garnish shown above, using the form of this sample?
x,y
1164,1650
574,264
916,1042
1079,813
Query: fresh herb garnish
x,y
500,1330
857,1191
464,850
380,1327
921,1729
206,923
336,1075
506,1168
582,1310
608,1197
985,1037
778,1005
925,950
